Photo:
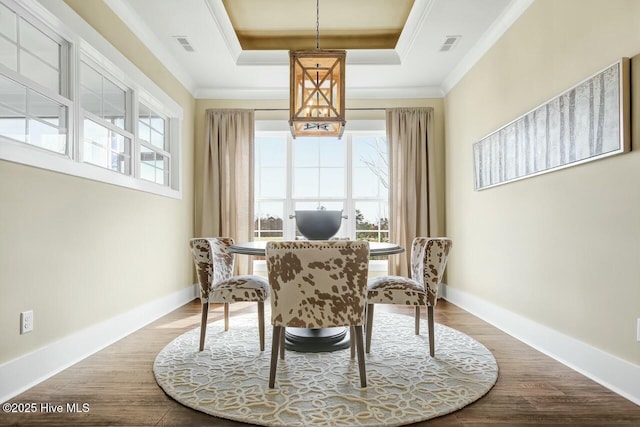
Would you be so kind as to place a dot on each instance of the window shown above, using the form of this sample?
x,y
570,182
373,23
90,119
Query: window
x,y
29,117
33,106
31,51
350,174
370,192
155,158
106,134
67,107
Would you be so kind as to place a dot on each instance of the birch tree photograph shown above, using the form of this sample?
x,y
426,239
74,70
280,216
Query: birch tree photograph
x,y
584,123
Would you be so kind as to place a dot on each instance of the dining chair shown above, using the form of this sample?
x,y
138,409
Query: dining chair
x,y
317,284
428,262
214,267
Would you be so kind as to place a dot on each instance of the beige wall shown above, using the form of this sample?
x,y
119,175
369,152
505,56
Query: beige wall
x,y
561,248
79,252
203,104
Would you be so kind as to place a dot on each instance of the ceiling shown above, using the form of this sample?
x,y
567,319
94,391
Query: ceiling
x,y
240,47
267,25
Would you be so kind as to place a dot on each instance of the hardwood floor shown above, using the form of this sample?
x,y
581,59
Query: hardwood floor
x,y
118,384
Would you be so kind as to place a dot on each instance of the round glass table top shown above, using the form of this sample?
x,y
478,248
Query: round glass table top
x,y
258,248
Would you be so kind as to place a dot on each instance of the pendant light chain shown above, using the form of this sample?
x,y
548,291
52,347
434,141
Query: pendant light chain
x,y
317,24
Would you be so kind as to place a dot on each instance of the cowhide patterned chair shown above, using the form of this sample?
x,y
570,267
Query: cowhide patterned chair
x,y
214,266
318,284
428,261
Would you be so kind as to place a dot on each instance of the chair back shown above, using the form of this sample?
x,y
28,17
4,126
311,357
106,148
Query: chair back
x,y
318,284
213,261
428,261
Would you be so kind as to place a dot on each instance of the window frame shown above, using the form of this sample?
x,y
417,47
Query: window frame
x,y
84,42
289,201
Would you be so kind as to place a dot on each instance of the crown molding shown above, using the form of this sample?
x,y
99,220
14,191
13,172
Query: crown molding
x,y
354,57
510,14
356,93
137,25
242,93
409,34
221,18
416,92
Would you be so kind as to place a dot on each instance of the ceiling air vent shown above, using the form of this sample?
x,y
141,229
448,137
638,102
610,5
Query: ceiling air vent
x,y
449,43
184,43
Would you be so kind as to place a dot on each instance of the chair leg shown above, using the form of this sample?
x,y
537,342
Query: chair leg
x,y
282,341
261,323
274,355
360,350
226,316
432,349
352,341
369,325
203,324
417,320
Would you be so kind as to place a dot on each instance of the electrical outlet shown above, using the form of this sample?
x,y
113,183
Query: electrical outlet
x,y
26,322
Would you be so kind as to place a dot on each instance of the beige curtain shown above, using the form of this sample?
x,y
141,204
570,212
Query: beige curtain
x,y
227,199
412,181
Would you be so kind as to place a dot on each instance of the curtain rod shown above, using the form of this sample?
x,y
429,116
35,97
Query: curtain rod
x,y
348,109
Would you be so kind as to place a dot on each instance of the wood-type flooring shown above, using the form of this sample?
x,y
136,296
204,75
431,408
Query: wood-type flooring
x,y
119,388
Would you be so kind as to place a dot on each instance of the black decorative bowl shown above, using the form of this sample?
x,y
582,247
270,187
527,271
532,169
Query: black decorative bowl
x,y
318,224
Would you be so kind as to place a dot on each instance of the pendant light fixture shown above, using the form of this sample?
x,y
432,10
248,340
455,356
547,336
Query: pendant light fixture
x,y
317,90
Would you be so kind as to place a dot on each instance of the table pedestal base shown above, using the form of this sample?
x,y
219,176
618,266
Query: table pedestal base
x,y
316,340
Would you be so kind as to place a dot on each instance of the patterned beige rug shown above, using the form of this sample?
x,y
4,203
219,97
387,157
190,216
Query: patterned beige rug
x,y
229,378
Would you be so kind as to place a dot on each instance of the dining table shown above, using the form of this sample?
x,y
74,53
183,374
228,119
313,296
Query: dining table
x,y
318,339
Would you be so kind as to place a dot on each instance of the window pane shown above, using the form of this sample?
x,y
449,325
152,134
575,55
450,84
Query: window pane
x,y
271,151
13,95
106,148
144,131
12,125
95,143
113,106
332,152
367,215
157,139
332,182
154,166
143,113
269,215
8,54
90,80
151,128
306,181
39,44
147,172
268,221
365,183
43,108
45,136
306,152
157,122
7,23
371,165
371,236
91,102
33,68
272,182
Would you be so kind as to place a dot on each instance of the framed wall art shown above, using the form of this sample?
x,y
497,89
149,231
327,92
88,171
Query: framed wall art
x,y
587,122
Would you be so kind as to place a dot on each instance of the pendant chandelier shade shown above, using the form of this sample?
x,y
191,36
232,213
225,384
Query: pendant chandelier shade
x,y
317,90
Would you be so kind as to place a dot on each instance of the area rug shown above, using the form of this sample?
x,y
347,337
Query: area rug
x,y
229,379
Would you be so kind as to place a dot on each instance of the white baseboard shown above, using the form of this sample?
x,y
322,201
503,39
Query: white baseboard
x,y
32,368
612,372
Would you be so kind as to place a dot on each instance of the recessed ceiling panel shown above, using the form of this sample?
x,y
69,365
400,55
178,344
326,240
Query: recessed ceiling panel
x,y
344,24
